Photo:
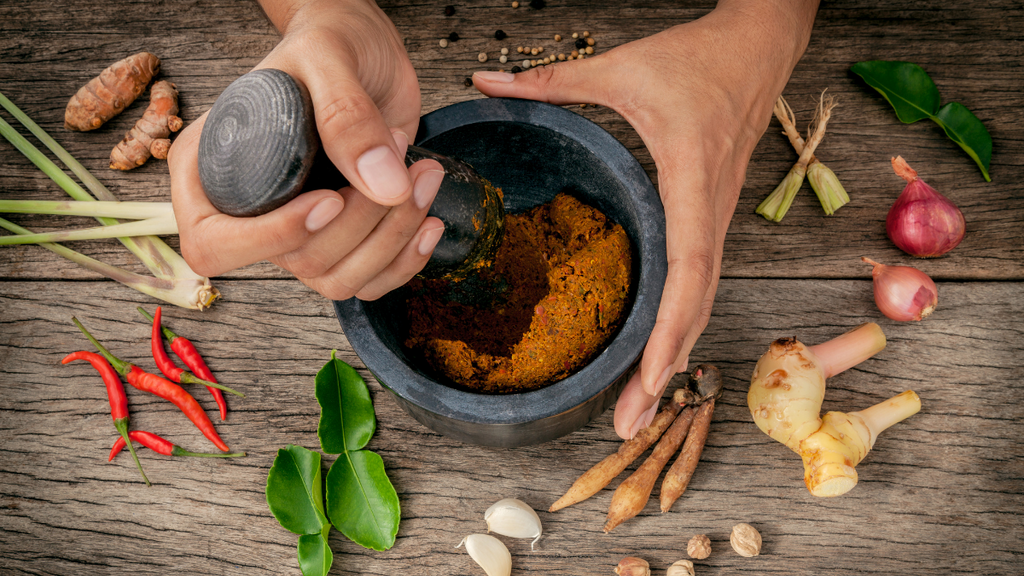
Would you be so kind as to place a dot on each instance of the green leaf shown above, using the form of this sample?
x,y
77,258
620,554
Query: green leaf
x,y
914,96
361,501
906,86
294,490
347,421
315,555
964,128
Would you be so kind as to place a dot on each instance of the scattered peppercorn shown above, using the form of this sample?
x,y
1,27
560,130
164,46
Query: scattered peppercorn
x,y
581,43
590,49
467,82
547,60
515,4
575,35
585,33
516,69
537,4
583,105
520,49
575,53
590,41
558,37
443,42
482,57
561,56
540,49
503,59
526,64
534,51
449,10
453,37
504,51
500,35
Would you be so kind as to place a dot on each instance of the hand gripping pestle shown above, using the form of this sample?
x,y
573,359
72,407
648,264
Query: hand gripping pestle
x,y
259,149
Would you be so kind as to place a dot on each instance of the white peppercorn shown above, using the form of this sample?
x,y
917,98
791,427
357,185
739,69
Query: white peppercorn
x,y
504,51
482,57
503,59
443,42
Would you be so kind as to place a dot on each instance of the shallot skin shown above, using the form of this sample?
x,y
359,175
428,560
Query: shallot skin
x,y
922,222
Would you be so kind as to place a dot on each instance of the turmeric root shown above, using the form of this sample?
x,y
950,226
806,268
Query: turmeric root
x,y
593,480
149,135
106,95
631,496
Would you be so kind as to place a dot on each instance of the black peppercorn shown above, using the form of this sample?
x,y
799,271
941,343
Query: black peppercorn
x,y
467,82
581,44
500,35
453,37
537,4
516,69
449,10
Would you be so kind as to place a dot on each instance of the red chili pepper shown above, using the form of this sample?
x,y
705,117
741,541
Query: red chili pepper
x,y
115,394
166,365
165,389
161,446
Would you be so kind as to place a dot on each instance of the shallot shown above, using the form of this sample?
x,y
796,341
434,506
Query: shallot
x,y
922,222
903,292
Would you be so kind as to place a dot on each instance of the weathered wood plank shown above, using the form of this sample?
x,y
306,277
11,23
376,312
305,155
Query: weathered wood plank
x,y
939,492
47,50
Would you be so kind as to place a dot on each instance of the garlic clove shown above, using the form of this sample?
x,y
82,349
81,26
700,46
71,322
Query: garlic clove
x,y
513,518
489,553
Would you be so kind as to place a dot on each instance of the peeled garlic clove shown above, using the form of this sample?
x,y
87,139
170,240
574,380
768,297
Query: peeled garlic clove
x,y
513,518
489,553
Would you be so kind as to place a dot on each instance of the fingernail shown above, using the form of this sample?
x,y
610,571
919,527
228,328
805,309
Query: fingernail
x,y
503,77
383,173
682,368
401,140
322,213
425,188
644,420
429,240
659,385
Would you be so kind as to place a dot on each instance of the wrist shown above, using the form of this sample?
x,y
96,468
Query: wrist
x,y
284,14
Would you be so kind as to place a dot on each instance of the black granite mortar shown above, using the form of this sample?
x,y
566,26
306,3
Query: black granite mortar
x,y
532,151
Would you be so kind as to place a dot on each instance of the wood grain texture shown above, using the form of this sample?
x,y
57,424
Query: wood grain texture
x,y
48,50
939,492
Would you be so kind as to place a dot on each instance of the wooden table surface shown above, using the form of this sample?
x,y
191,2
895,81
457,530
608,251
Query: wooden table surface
x,y
940,492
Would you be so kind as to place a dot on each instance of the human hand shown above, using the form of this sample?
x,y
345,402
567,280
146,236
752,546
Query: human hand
x,y
363,240
700,95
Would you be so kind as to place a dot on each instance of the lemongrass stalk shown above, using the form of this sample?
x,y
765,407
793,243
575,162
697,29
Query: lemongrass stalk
x,y
824,182
775,206
127,210
162,225
154,253
186,292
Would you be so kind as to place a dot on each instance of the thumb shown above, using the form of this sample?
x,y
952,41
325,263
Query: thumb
x,y
563,83
355,135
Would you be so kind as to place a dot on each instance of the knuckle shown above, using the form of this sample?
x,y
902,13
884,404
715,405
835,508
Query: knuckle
x,y
343,113
303,264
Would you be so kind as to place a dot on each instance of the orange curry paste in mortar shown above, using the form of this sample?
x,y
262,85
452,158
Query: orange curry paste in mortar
x,y
555,294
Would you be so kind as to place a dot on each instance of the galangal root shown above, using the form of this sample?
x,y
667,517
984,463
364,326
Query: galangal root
x,y
686,416
106,95
786,391
150,134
